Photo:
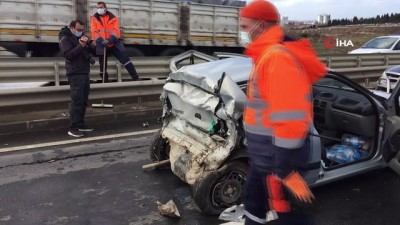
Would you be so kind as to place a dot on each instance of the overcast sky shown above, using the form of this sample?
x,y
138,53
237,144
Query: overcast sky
x,y
338,9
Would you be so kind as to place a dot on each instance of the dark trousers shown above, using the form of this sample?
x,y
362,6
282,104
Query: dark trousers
x,y
264,193
123,58
79,91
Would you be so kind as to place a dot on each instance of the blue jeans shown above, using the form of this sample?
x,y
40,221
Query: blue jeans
x,y
123,58
79,92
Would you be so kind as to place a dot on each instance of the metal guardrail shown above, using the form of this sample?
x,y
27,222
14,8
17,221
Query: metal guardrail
x,y
48,95
152,70
60,94
366,60
364,75
53,69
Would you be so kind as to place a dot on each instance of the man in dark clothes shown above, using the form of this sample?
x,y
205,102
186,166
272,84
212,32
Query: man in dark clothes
x,y
77,63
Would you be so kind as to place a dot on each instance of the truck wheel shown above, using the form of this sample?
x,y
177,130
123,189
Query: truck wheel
x,y
159,147
172,52
134,52
58,54
217,190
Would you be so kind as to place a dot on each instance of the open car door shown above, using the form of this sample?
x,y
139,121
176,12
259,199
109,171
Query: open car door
x,y
391,139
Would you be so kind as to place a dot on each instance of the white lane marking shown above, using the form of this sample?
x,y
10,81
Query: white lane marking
x,y
78,140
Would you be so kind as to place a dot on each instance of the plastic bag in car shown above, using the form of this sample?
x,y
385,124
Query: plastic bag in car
x,y
345,154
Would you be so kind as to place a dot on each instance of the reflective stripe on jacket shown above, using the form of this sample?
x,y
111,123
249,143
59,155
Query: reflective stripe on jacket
x,y
279,93
104,26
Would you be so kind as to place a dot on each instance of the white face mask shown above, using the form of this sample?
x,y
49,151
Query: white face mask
x,y
78,34
245,37
101,11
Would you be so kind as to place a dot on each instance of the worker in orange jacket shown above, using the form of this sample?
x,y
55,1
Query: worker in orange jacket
x,y
278,116
105,31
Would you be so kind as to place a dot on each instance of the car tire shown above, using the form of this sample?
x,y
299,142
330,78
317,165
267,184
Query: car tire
x,y
159,148
217,190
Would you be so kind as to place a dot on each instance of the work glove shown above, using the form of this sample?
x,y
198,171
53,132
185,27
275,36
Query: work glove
x,y
298,187
105,42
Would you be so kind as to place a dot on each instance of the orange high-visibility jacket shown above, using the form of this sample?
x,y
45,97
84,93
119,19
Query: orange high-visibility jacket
x,y
279,92
104,26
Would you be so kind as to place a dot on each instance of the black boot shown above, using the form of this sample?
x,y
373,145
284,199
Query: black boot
x,y
131,70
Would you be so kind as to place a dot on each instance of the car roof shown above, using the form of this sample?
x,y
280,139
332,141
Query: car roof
x,y
206,75
395,69
395,36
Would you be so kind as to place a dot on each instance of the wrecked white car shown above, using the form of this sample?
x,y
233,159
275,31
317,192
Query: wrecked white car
x,y
355,130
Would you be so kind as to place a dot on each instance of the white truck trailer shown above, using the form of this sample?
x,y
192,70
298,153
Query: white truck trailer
x,y
148,27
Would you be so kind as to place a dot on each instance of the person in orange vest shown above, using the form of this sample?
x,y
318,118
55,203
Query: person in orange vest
x,y
105,31
278,117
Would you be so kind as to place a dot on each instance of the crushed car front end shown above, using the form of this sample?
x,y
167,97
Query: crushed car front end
x,y
202,109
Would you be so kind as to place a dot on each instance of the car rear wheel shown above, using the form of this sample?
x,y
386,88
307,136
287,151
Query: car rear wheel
x,y
217,190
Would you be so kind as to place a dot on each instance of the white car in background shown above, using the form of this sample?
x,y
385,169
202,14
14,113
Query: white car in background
x,y
383,44
389,79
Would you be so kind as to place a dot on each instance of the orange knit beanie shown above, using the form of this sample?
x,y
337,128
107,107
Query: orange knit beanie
x,y
260,10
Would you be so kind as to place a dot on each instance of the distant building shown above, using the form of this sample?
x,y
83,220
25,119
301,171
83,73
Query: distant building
x,y
302,22
323,19
284,20
309,22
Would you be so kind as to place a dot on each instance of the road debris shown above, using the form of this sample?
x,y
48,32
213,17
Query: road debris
x,y
155,164
234,214
169,209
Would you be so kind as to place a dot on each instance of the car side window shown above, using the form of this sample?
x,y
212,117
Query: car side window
x,y
243,86
398,106
381,43
397,47
332,83
244,89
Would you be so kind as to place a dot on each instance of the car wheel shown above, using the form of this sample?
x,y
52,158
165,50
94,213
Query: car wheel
x,y
159,147
217,190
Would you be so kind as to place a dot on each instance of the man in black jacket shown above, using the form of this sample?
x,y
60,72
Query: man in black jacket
x,y
77,63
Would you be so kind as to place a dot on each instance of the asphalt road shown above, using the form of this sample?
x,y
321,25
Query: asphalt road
x,y
102,183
